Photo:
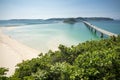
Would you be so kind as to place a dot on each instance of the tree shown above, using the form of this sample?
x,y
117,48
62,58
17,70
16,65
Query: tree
x,y
91,60
3,73
70,20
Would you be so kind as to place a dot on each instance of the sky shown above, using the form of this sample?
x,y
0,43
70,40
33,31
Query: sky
x,y
44,9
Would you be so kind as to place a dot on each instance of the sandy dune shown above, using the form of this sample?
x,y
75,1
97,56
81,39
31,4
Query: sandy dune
x,y
13,52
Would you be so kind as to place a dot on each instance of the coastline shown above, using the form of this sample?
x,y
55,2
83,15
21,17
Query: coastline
x,y
13,52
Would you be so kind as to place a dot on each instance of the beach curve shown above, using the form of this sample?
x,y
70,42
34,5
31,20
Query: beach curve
x,y
13,52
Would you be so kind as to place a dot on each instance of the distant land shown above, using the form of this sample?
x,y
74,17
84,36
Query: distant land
x,y
13,22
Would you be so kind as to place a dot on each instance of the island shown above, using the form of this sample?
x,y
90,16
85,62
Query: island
x,y
14,22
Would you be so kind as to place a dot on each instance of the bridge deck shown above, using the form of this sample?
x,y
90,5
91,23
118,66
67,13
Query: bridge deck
x,y
100,30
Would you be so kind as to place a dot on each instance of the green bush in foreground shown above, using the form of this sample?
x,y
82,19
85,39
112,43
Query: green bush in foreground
x,y
92,60
3,73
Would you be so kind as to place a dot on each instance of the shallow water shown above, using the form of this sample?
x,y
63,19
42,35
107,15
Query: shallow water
x,y
48,36
44,37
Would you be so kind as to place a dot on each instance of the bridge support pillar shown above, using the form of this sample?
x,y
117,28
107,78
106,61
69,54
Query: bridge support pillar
x,y
95,31
91,29
101,35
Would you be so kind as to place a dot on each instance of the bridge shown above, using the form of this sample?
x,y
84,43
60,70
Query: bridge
x,y
102,31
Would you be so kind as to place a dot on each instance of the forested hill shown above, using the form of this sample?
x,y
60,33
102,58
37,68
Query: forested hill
x,y
92,60
16,22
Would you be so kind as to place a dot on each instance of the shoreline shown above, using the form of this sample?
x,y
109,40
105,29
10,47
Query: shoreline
x,y
13,52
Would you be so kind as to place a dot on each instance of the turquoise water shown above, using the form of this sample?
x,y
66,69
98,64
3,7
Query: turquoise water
x,y
44,37
48,36
112,26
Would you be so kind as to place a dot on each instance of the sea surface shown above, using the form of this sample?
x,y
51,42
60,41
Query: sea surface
x,y
112,26
45,37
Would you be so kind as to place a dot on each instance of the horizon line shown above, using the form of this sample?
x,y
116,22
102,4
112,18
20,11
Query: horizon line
x,y
62,17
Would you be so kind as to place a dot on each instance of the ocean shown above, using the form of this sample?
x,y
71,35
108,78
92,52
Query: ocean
x,y
45,37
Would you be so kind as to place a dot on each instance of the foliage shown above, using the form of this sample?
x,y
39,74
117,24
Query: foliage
x,y
70,20
92,60
3,73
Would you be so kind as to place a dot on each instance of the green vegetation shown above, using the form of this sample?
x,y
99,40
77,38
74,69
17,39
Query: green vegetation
x,y
70,20
92,60
3,73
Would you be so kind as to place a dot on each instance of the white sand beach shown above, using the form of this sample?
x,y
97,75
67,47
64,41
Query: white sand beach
x,y
13,52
